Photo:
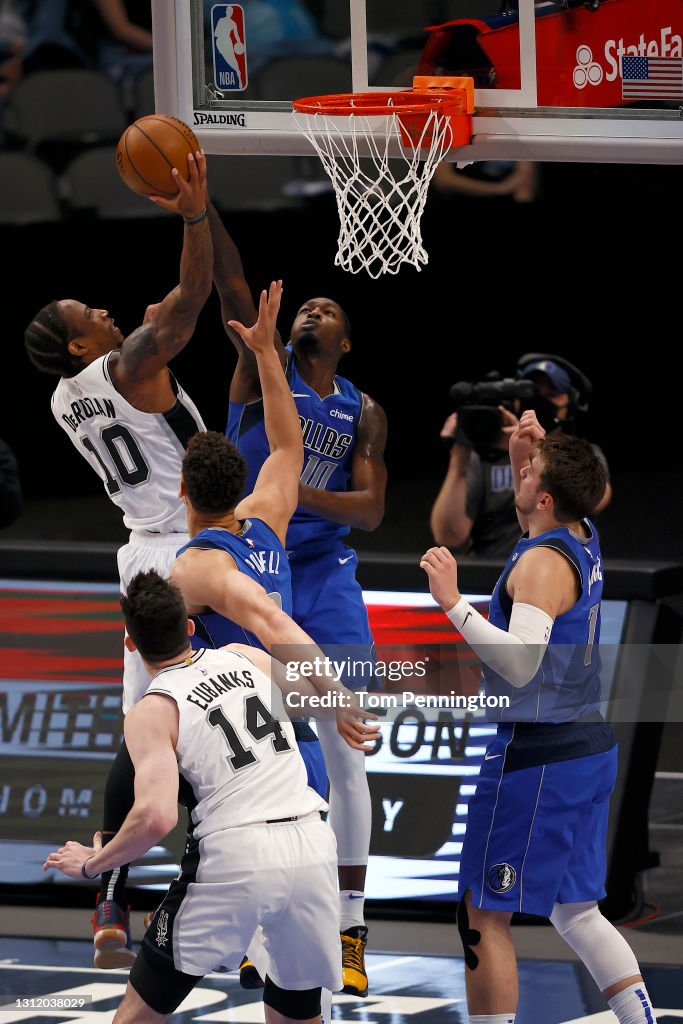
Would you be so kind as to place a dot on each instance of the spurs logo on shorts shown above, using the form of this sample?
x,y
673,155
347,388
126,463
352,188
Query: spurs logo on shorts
x,y
502,877
162,928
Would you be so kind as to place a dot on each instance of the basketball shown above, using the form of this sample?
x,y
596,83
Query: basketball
x,y
149,148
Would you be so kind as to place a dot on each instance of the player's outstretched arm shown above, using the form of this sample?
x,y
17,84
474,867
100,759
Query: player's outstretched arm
x,y
362,506
524,439
151,731
209,579
276,491
151,347
236,304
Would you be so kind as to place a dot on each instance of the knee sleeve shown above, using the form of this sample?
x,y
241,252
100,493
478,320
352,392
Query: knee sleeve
x,y
350,806
469,936
597,943
298,1005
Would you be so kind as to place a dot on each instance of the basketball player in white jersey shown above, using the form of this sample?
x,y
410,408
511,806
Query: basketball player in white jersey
x,y
258,853
125,413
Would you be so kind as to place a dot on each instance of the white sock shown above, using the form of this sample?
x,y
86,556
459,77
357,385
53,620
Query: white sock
x,y
493,1018
632,1005
325,1006
351,904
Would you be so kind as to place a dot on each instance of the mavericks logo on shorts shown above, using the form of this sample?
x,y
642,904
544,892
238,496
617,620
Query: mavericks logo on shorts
x,y
502,877
162,928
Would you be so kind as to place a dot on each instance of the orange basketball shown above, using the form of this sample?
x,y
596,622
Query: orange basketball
x,y
149,148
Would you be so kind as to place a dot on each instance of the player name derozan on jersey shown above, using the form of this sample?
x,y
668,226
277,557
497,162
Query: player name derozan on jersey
x,y
137,455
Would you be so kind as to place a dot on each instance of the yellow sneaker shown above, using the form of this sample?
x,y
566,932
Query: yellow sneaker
x,y
354,940
249,976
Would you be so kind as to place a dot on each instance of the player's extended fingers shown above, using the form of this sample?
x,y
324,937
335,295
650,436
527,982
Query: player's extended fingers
x,y
439,557
510,421
449,427
237,326
200,162
274,296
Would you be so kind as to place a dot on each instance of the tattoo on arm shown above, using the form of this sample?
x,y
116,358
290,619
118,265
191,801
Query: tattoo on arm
x,y
160,340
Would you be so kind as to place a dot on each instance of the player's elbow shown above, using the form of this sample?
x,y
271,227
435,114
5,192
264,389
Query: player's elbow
x,y
523,664
520,678
162,821
448,534
371,516
271,625
158,818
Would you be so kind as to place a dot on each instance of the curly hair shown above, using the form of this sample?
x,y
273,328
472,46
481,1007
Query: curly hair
x,y
46,339
214,473
156,616
573,474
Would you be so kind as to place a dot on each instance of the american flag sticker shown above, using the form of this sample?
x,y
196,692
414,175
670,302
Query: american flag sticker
x,y
651,78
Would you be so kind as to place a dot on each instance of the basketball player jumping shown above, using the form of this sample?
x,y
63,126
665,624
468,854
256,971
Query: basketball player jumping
x,y
342,485
537,823
126,414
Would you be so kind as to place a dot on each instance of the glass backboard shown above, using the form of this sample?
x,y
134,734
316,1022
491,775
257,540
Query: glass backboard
x,y
591,80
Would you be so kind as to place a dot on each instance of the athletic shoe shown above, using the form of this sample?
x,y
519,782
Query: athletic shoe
x,y
354,940
249,976
111,936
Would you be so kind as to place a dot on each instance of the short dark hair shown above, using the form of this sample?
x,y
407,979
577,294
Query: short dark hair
x,y
347,322
156,616
573,474
46,339
214,472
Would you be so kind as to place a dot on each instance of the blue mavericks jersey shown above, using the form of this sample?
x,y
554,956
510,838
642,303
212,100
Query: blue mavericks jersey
x,y
259,554
558,711
329,432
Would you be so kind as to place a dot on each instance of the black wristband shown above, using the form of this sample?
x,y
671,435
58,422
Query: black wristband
x,y
88,878
195,220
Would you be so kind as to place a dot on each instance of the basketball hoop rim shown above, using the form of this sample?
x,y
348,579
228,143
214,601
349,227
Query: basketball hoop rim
x,y
378,104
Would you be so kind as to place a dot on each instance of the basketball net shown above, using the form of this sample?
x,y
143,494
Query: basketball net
x,y
380,177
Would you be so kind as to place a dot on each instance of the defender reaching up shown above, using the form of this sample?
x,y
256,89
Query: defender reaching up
x,y
342,485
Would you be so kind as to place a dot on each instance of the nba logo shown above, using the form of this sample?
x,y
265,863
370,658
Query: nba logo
x,y
229,47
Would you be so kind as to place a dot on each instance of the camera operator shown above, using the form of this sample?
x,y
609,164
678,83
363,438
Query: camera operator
x,y
474,511
562,394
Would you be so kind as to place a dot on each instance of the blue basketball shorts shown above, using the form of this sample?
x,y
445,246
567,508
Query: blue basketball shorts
x,y
537,836
327,602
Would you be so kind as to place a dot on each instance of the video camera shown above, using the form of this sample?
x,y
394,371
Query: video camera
x,y
480,420
479,417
